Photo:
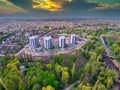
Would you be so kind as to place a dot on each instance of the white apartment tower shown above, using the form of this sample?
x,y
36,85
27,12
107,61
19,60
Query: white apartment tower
x,y
48,42
62,41
34,41
72,39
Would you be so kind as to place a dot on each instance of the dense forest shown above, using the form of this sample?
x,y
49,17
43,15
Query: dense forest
x,y
114,45
60,71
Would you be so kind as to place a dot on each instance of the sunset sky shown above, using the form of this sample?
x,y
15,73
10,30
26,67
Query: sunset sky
x,y
93,8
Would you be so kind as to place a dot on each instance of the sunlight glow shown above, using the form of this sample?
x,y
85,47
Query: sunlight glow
x,y
50,5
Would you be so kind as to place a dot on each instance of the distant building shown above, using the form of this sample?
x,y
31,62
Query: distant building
x,y
62,41
27,34
34,41
72,39
22,68
48,42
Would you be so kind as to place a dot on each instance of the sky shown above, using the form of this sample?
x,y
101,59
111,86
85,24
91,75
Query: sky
x,y
61,8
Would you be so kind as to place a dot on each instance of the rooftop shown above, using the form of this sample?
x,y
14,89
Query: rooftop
x,y
47,37
33,37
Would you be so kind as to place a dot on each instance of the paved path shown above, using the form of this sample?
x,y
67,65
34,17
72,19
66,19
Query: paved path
x,y
115,63
68,88
1,81
104,44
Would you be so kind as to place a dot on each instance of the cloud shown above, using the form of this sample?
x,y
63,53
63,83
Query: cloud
x,y
25,4
9,8
50,5
79,5
54,5
105,4
104,1
68,7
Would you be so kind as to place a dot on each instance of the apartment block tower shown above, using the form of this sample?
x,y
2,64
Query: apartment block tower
x,y
62,42
72,39
34,41
48,42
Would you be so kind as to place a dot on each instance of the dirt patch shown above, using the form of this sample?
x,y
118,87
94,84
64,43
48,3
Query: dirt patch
x,y
111,63
115,36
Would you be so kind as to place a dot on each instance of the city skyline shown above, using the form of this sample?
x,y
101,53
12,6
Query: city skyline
x,y
61,8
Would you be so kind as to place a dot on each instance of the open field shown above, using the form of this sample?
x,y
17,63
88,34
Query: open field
x,y
115,36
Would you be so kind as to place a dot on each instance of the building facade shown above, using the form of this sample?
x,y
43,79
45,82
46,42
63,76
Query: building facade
x,y
48,42
34,41
62,42
72,39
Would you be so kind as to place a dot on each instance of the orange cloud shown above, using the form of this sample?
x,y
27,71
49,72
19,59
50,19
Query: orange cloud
x,y
50,5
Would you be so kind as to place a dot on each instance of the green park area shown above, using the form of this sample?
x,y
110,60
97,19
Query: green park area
x,y
59,72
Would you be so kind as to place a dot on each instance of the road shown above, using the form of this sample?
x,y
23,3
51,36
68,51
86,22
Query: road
x,y
22,50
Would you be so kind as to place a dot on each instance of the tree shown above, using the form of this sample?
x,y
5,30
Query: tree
x,y
59,59
36,87
87,67
118,42
95,85
117,50
49,66
100,50
89,45
101,87
115,46
93,56
38,75
110,41
99,57
49,87
65,77
85,87
21,86
73,70
111,74
2,85
46,27
109,82
64,69
14,62
80,85
114,74
13,77
58,69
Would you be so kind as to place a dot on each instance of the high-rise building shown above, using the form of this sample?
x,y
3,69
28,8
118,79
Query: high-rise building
x,y
62,42
34,41
48,42
72,39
